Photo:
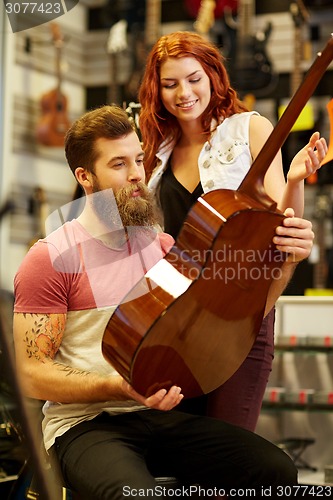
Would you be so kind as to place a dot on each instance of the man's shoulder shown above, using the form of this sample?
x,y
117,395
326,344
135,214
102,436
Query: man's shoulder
x,y
166,241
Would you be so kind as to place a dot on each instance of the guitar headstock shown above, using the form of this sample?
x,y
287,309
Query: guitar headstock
x,y
206,18
117,39
57,37
299,13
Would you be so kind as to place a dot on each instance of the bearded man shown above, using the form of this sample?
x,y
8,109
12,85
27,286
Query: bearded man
x,y
66,288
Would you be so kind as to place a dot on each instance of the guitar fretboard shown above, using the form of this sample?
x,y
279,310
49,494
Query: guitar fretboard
x,y
153,21
246,11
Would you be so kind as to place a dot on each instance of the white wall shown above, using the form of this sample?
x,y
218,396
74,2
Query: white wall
x,y
24,168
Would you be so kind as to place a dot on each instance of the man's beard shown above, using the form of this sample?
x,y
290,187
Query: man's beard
x,y
132,210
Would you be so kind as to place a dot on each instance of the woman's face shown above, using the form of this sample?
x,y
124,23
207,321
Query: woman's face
x,y
185,88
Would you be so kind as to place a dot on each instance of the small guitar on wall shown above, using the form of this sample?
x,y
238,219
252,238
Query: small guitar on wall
x,y
54,123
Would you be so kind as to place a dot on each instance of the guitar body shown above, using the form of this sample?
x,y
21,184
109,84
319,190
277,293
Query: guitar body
x,y
195,315
250,68
53,123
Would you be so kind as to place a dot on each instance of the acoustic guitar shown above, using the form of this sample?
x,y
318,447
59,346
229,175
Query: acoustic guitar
x,y
192,320
54,122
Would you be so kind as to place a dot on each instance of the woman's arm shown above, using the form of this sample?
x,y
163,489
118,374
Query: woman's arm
x,y
37,338
288,194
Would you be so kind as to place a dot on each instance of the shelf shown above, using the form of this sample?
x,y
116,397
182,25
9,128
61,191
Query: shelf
x,y
5,479
303,348
312,478
286,406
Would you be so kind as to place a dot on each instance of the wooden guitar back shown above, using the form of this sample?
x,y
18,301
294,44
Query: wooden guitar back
x,y
196,331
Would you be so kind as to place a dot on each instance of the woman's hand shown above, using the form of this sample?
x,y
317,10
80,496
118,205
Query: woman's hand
x,y
308,160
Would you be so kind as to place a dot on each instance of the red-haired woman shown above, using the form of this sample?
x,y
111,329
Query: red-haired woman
x,y
198,136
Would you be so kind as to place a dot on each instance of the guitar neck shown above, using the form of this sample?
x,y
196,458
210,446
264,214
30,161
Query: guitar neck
x,y
152,22
254,180
58,45
322,212
245,13
320,268
58,65
296,77
300,17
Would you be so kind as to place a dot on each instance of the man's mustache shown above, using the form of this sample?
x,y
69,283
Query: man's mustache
x,y
127,191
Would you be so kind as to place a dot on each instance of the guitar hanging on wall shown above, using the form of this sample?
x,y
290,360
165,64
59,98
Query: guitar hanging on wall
x,y
194,6
322,215
116,45
143,45
187,322
54,122
249,66
305,123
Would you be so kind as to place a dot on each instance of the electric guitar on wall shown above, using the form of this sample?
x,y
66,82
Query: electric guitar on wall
x,y
143,45
54,123
249,67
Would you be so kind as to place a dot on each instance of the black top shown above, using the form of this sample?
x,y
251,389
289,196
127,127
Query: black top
x,y
176,202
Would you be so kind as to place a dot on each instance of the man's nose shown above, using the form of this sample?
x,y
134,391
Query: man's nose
x,y
135,174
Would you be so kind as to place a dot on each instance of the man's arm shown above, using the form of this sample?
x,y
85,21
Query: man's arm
x,y
295,238
37,339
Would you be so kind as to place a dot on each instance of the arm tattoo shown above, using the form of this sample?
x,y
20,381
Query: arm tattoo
x,y
71,371
44,337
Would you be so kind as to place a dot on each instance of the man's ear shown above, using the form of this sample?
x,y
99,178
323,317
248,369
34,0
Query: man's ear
x,y
83,178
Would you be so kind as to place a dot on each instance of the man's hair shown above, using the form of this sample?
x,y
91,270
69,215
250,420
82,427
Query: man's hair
x,y
107,122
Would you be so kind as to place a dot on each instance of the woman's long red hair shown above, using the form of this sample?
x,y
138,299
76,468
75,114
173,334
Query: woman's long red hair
x,y
156,123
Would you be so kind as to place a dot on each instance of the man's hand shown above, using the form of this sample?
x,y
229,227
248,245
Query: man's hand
x,y
295,237
161,400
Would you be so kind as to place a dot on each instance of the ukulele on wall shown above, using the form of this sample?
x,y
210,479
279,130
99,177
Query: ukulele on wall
x,y
54,123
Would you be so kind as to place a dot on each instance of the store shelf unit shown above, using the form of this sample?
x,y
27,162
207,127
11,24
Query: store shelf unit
x,y
298,401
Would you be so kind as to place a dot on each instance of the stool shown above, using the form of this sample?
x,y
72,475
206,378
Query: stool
x,y
294,447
